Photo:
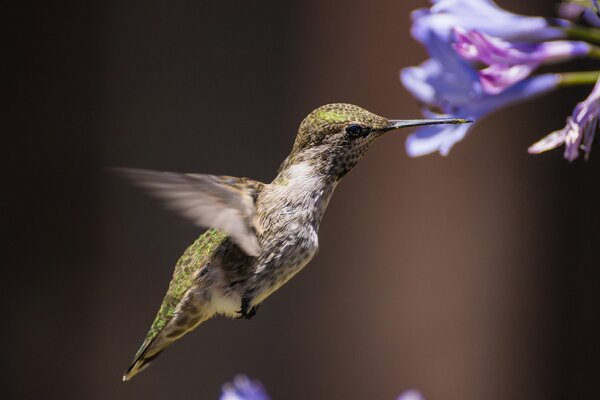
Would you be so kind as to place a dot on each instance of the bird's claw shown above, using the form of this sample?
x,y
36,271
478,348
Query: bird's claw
x,y
246,311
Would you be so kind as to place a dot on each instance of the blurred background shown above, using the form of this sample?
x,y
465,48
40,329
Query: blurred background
x,y
473,276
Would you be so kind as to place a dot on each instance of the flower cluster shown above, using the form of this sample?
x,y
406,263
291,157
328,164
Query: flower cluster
x,y
242,388
483,58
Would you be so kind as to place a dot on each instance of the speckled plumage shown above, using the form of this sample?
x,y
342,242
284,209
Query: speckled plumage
x,y
261,234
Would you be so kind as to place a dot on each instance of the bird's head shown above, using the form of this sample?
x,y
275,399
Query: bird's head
x,y
335,136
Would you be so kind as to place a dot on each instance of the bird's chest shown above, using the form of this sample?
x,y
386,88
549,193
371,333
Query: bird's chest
x,y
289,218
285,254
289,243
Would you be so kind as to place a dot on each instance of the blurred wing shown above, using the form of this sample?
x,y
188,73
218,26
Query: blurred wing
x,y
221,202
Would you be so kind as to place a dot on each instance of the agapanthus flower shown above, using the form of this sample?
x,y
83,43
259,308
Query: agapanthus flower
x,y
481,15
448,85
510,62
242,388
578,133
411,395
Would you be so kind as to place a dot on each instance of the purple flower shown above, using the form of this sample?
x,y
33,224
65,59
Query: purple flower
x,y
574,11
579,131
509,62
243,388
411,395
449,86
481,15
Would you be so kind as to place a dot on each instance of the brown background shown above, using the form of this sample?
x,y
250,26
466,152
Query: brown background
x,y
473,276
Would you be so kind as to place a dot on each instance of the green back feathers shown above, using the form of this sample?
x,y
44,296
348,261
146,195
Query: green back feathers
x,y
194,258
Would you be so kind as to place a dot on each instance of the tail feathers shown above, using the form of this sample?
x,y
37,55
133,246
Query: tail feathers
x,y
165,330
142,360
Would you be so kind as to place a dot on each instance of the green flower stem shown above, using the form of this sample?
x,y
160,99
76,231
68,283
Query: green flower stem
x,y
594,52
590,35
579,78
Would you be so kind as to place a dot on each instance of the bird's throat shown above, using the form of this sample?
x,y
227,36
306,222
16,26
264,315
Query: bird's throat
x,y
300,190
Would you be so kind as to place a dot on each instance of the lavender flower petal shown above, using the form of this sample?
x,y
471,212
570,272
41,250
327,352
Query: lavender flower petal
x,y
549,142
243,388
478,46
498,77
434,138
524,90
510,62
592,17
578,134
574,11
411,395
446,81
482,15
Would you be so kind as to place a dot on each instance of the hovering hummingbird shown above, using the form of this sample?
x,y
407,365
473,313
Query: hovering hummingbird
x,y
260,234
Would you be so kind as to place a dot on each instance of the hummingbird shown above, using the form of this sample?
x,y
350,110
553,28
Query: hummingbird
x,y
259,234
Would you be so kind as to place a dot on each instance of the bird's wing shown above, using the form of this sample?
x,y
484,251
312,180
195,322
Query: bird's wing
x,y
222,202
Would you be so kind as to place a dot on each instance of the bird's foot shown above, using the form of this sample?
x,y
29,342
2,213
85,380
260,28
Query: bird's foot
x,y
246,311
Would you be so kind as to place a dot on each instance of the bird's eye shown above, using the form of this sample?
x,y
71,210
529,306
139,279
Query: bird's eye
x,y
356,131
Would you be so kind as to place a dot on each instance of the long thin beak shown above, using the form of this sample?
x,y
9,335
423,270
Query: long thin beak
x,y
405,123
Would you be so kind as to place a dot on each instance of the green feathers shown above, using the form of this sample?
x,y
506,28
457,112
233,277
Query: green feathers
x,y
194,258
331,116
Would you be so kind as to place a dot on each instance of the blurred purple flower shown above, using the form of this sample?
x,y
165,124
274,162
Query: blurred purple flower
x,y
574,11
243,388
509,63
449,86
411,395
579,131
482,15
